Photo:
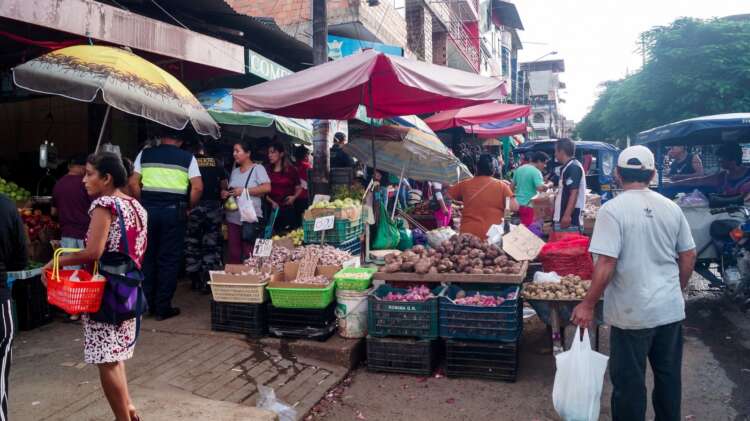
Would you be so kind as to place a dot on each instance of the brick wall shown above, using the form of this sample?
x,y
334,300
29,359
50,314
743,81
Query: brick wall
x,y
419,29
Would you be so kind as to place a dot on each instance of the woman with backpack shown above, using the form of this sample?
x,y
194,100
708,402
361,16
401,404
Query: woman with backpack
x,y
117,231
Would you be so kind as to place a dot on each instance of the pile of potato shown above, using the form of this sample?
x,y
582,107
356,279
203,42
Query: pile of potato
x,y
464,253
570,287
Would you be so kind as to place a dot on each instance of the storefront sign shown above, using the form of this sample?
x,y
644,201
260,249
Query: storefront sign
x,y
341,47
265,68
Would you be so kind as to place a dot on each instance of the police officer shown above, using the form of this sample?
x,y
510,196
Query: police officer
x,y
203,245
170,183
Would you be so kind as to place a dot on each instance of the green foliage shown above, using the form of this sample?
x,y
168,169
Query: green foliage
x,y
694,68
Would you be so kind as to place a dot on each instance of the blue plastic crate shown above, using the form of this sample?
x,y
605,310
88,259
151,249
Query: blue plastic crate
x,y
503,323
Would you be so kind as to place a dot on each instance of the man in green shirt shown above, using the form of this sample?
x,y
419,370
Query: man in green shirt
x,y
527,181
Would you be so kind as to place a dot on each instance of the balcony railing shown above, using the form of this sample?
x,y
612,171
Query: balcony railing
x,y
456,30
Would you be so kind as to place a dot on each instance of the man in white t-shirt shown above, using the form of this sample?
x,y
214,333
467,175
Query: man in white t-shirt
x,y
644,258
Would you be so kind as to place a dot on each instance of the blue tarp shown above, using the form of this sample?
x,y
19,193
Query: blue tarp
x,y
714,129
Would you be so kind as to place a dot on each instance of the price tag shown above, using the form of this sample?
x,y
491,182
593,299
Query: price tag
x,y
324,223
262,247
321,198
352,263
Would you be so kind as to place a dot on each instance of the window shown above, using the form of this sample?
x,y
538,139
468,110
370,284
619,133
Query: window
x,y
538,118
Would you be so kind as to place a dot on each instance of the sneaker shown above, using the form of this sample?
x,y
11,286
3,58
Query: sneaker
x,y
172,312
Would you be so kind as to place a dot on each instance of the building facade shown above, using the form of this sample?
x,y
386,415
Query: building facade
x,y
542,86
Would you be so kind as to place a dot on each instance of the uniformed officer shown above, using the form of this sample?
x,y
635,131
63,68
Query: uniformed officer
x,y
203,244
170,183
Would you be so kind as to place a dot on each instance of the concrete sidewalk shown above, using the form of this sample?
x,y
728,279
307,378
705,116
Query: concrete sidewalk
x,y
181,370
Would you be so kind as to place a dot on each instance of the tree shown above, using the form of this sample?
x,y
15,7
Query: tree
x,y
694,67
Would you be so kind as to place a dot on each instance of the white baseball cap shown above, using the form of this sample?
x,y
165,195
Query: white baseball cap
x,y
636,158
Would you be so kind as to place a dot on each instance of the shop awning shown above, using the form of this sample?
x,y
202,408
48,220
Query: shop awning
x,y
386,85
479,114
100,21
499,129
218,102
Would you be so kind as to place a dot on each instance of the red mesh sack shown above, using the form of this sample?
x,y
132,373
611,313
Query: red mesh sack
x,y
569,256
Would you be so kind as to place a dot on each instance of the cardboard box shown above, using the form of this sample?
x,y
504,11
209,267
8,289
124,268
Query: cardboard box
x,y
232,276
284,279
352,213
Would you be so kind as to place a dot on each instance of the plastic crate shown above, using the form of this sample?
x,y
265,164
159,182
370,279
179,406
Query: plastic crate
x,y
417,319
352,246
32,308
344,282
302,324
502,323
226,292
343,230
249,319
399,355
483,360
285,297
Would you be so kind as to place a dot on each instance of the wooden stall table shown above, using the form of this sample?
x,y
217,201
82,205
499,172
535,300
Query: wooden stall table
x,y
495,278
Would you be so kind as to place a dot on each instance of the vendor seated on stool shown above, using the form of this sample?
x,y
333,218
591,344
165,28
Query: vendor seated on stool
x,y
484,198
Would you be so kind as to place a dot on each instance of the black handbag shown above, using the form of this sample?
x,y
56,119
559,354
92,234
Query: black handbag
x,y
250,230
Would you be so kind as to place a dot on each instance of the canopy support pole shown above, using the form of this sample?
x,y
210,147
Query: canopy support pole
x,y
101,131
398,190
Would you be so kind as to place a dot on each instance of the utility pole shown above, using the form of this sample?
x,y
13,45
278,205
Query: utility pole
x,y
321,153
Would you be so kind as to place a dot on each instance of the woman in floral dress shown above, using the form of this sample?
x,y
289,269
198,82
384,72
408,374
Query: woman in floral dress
x,y
108,345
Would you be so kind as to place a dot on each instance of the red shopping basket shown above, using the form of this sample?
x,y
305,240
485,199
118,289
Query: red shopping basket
x,y
74,297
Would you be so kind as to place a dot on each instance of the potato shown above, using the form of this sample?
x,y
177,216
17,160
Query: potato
x,y
418,249
477,271
488,271
442,268
407,267
392,267
433,270
422,266
468,269
473,253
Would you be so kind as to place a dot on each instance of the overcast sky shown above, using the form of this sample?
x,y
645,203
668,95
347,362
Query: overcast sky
x,y
597,38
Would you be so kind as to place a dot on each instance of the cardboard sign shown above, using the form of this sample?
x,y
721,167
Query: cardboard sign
x,y
324,223
522,244
352,263
262,247
321,198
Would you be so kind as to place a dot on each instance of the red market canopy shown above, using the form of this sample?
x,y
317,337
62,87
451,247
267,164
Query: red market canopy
x,y
477,114
386,85
489,131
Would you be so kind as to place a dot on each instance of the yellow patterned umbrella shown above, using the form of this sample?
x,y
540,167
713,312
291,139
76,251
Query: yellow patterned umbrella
x,y
127,82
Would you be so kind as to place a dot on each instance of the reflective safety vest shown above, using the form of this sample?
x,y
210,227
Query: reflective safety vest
x,y
164,175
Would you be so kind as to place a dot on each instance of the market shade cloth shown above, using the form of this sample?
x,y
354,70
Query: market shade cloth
x,y
713,129
499,129
218,102
386,85
422,156
478,114
127,82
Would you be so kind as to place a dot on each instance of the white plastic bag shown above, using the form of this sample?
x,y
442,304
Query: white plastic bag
x,y
495,234
540,277
437,236
247,208
577,392
269,402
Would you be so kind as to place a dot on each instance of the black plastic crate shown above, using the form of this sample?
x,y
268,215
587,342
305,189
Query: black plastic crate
x,y
291,318
32,309
418,319
501,323
481,359
402,355
307,332
250,319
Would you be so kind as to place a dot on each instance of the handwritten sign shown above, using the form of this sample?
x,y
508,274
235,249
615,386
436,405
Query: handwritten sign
x,y
321,198
262,247
324,223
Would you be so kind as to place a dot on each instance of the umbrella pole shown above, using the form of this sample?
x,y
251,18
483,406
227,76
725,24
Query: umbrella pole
x,y
398,190
101,131
372,130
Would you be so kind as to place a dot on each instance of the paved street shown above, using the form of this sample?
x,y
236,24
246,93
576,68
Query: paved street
x,y
181,370
716,383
